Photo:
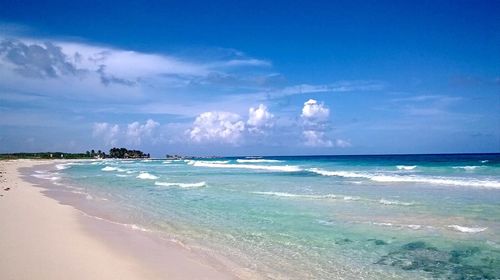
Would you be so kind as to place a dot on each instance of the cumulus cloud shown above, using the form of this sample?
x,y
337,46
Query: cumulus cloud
x,y
259,118
314,111
315,121
106,131
136,131
134,134
216,126
316,138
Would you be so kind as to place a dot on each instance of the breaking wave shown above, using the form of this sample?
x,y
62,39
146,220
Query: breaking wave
x,y
282,168
310,196
467,168
467,229
63,166
109,168
257,160
146,176
395,202
410,179
192,162
406,167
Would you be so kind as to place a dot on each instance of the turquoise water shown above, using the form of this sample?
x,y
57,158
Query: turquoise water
x,y
337,217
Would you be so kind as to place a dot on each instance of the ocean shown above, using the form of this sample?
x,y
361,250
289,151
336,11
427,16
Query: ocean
x,y
310,217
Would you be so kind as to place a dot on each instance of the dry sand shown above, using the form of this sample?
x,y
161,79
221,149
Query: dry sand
x,y
43,239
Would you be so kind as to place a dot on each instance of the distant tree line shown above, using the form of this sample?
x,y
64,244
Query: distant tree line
x,y
124,153
113,153
93,154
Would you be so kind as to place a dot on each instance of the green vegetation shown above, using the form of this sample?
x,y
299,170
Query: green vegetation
x,y
113,153
124,153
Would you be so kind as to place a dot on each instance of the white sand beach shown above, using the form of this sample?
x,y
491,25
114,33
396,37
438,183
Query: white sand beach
x,y
43,239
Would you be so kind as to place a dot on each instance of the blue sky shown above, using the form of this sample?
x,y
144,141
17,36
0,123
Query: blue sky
x,y
250,77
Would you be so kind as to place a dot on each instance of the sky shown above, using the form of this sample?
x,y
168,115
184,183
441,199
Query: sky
x,y
250,77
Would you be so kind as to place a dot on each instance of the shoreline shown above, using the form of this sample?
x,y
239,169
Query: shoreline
x,y
44,237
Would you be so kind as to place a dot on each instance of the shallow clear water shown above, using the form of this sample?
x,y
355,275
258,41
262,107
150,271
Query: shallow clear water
x,y
345,217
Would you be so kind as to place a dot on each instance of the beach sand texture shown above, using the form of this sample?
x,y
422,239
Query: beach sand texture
x,y
43,239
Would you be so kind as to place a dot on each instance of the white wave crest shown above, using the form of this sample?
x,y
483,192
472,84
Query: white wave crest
x,y
406,167
438,181
109,168
310,196
345,174
193,162
63,166
182,185
257,160
281,168
147,176
383,224
415,227
467,168
467,229
411,179
395,202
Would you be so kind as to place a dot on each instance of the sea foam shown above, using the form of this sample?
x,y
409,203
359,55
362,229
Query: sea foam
x,y
63,166
395,202
109,168
192,162
282,168
410,179
46,176
406,167
467,168
310,196
467,229
181,185
257,160
146,176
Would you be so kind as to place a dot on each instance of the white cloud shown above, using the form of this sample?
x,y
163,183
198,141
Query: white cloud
x,y
259,118
216,126
136,131
46,58
106,131
314,111
340,86
135,134
315,121
247,62
342,143
316,138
